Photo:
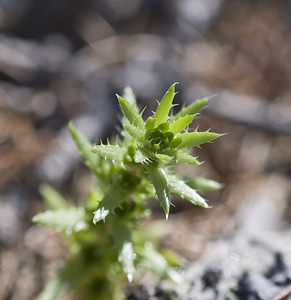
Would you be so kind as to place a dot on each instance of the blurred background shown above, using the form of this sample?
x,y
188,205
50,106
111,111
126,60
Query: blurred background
x,y
64,60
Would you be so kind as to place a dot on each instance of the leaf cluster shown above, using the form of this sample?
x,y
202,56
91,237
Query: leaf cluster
x,y
104,238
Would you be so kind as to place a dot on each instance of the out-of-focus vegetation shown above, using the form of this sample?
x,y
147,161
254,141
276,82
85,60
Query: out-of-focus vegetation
x,y
63,60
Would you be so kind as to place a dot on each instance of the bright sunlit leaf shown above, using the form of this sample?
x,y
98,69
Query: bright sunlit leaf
x,y
130,113
193,108
112,199
179,187
68,220
164,107
160,182
185,158
181,123
195,138
203,184
130,97
134,131
111,152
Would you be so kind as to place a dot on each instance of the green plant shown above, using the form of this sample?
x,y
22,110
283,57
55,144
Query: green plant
x,y
105,242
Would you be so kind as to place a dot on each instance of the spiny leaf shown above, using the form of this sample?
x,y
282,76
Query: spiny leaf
x,y
164,127
164,107
85,148
181,124
130,97
163,157
72,219
179,187
197,138
180,156
150,123
113,153
133,131
183,157
203,184
145,156
53,199
193,108
113,198
123,243
160,182
140,156
130,113
176,142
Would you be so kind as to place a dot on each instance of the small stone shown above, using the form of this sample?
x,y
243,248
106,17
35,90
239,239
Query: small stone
x,y
253,286
140,293
211,277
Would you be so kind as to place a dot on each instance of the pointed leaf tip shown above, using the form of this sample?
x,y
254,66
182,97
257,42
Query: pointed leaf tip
x,y
133,131
128,94
184,157
165,106
193,108
130,113
179,187
85,147
113,153
66,219
203,184
181,123
53,199
196,138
